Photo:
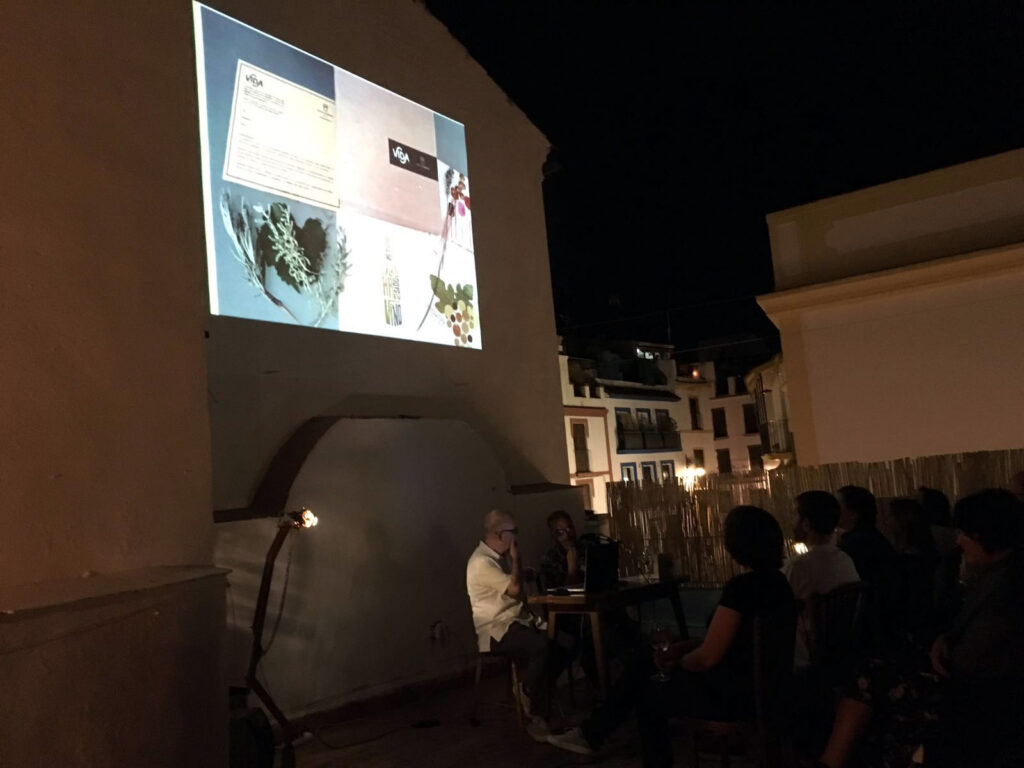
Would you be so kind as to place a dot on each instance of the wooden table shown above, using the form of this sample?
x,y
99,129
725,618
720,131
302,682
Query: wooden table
x,y
592,605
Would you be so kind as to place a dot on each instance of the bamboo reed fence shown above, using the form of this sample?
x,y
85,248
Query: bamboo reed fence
x,y
649,518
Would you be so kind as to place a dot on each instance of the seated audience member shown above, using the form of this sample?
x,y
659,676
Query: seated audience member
x,y
562,564
503,625
823,567
870,551
565,563
875,560
964,707
981,655
713,678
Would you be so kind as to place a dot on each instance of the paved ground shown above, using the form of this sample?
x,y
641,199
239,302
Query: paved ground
x,y
436,732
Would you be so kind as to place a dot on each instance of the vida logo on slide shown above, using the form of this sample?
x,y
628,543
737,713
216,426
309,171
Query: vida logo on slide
x,y
400,155
254,81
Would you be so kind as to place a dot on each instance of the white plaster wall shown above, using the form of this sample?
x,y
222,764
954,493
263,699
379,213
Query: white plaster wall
x,y
266,379
105,461
930,371
401,503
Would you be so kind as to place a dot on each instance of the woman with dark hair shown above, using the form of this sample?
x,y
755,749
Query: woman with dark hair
x,y
713,678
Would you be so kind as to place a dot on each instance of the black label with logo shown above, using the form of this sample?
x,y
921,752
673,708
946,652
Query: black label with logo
x,y
411,159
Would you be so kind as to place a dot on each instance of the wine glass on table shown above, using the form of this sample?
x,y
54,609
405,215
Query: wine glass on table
x,y
660,644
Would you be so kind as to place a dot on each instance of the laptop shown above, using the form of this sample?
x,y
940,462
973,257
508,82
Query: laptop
x,y
602,569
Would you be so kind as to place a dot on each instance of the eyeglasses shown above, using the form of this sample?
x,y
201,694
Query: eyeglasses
x,y
508,530
560,532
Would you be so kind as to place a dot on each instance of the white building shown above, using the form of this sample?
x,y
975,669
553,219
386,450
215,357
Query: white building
x,y
900,313
734,427
767,384
695,385
617,429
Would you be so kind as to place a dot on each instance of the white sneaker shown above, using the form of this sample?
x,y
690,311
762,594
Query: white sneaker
x,y
572,740
537,729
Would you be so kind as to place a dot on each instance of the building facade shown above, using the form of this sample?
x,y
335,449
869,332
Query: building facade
x,y
767,384
734,427
653,426
620,429
899,309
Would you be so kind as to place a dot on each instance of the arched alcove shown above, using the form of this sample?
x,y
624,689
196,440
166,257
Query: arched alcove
x,y
400,503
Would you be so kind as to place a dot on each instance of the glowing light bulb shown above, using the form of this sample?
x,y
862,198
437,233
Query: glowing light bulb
x,y
800,548
309,520
689,476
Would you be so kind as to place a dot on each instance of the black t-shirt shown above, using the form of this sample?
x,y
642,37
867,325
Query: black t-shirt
x,y
872,553
765,594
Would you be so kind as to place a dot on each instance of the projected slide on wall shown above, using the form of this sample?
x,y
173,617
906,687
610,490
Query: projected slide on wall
x,y
330,202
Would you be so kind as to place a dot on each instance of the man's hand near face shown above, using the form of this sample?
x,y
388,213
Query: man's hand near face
x,y
513,554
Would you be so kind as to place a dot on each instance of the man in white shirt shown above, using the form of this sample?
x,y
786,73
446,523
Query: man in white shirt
x,y
823,567
503,625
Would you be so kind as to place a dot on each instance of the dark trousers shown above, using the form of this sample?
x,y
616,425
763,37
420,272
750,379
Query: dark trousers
x,y
537,665
712,695
625,695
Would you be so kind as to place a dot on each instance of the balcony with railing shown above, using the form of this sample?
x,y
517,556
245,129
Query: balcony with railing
x,y
662,438
776,437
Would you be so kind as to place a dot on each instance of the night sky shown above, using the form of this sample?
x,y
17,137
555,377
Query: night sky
x,y
676,129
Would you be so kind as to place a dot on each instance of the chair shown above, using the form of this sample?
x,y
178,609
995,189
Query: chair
x,y
513,686
765,739
836,630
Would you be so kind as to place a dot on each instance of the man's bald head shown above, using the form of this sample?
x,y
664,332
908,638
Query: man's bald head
x,y
494,520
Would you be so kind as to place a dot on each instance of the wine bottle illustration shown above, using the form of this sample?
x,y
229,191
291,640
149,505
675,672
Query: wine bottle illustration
x,y
392,289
